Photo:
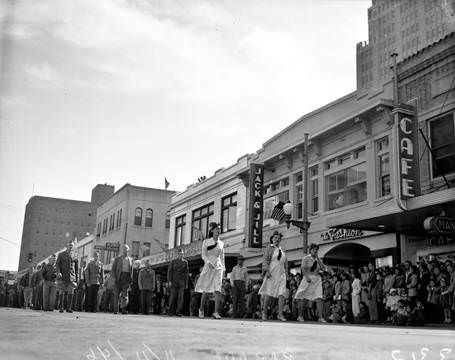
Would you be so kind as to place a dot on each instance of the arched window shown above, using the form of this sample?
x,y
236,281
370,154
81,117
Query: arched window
x,y
148,218
138,216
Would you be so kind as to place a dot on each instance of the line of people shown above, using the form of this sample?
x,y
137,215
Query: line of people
x,y
405,294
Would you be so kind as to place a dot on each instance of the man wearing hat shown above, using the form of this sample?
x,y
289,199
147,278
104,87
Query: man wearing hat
x,y
239,282
66,268
121,271
177,276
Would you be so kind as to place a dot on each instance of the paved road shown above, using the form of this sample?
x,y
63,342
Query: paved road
x,y
28,334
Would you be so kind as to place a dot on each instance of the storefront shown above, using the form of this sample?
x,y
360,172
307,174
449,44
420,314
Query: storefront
x,y
192,253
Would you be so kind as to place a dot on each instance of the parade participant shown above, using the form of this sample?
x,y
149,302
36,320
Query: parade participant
x,y
122,270
146,283
211,278
94,277
310,288
274,269
239,283
178,277
25,283
49,290
66,268
134,294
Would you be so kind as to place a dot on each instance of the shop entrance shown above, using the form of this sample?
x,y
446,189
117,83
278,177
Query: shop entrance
x,y
347,254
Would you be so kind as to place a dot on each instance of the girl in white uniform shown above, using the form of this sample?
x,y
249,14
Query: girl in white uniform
x,y
275,267
211,277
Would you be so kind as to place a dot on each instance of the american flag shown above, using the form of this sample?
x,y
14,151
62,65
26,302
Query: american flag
x,y
278,212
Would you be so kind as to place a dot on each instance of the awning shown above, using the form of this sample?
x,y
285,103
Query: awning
x,y
388,217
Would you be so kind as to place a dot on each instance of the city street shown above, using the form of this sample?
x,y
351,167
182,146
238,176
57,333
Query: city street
x,y
38,335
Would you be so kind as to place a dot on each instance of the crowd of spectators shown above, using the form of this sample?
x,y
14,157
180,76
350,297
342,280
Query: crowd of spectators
x,y
407,294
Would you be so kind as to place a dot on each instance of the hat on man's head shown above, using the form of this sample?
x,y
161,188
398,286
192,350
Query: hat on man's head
x,y
276,233
393,290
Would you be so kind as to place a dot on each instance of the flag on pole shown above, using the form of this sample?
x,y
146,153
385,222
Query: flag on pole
x,y
166,184
278,212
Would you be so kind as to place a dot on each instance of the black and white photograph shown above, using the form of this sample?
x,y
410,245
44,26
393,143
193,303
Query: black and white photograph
x,y
227,180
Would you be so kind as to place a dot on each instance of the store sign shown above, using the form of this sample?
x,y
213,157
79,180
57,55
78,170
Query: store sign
x,y
189,250
112,246
441,240
407,153
341,234
440,225
256,212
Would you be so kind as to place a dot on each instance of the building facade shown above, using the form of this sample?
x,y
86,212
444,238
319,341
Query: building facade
x,y
136,216
220,198
50,222
349,170
403,27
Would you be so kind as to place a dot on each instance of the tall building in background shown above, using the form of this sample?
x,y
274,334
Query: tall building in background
x,y
50,222
101,193
136,216
401,26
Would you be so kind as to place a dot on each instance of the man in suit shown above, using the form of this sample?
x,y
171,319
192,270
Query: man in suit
x,y
66,268
49,276
177,276
146,283
94,277
239,282
122,270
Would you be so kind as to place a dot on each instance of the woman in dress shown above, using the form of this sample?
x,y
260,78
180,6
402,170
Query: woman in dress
x,y
356,289
310,288
274,270
211,278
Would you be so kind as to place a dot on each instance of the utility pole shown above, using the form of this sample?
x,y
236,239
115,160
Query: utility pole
x,y
306,224
395,78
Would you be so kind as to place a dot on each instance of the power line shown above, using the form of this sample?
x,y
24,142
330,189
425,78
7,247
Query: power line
x,y
9,241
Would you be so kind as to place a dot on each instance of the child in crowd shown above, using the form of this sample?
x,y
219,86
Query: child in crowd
x,y
434,298
392,303
364,314
402,314
417,315
446,301
347,317
337,312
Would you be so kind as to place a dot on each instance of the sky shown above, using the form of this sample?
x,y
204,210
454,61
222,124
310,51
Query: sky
x,y
133,91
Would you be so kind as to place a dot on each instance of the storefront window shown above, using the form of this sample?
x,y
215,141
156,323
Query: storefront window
x,y
272,201
442,138
229,213
135,249
314,192
384,261
346,187
202,217
180,230
383,167
276,185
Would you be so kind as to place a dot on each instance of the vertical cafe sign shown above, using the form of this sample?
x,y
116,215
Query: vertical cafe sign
x,y
407,156
256,213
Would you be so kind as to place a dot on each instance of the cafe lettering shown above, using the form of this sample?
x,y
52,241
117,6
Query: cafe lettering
x,y
256,184
407,154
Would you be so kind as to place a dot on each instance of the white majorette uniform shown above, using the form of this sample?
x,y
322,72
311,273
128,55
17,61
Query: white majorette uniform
x,y
275,285
211,277
313,290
